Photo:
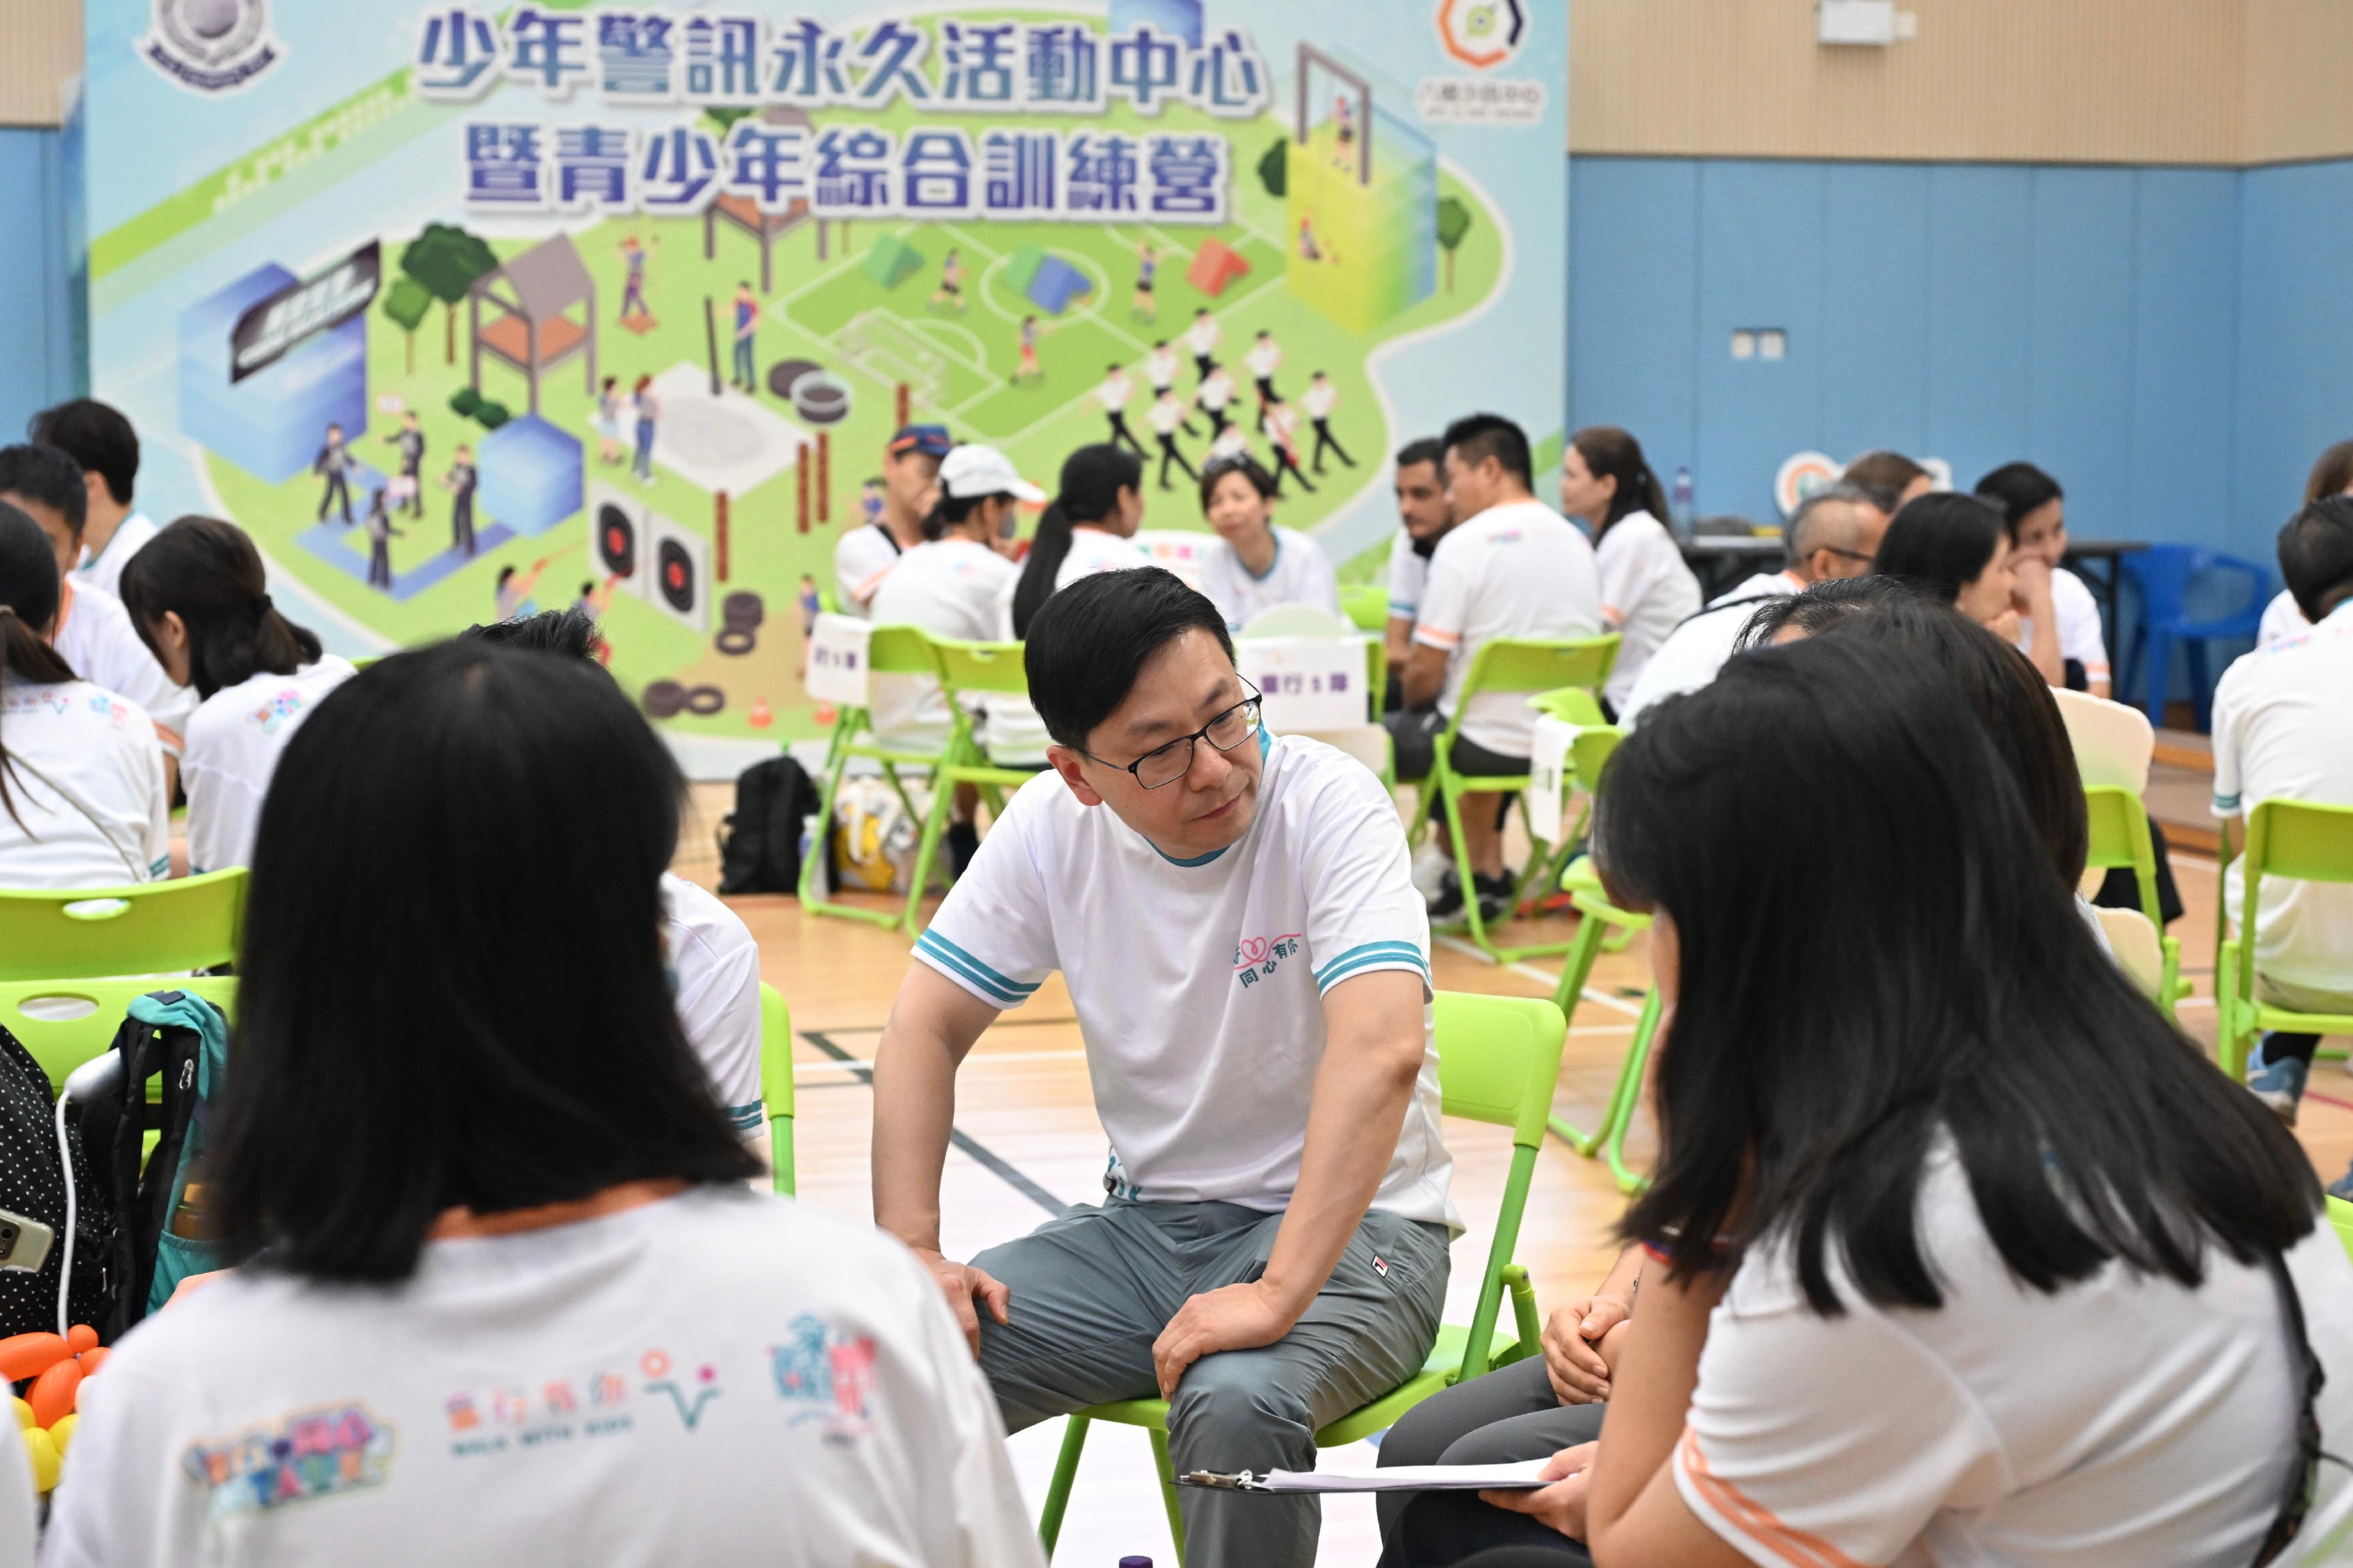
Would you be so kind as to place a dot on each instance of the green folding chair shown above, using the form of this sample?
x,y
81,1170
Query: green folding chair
x,y
1524,666
2285,838
892,650
2120,838
776,1085
1367,605
1601,920
2340,1220
65,1023
151,927
1498,1059
978,669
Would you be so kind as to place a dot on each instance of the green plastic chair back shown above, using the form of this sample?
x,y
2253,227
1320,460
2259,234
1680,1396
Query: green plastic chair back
x,y
2312,843
1571,705
1498,1061
188,923
1498,1057
93,1010
1513,664
2340,1219
776,1085
993,667
900,651
1367,605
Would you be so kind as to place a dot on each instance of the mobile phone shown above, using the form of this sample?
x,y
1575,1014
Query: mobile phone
x,y
24,1243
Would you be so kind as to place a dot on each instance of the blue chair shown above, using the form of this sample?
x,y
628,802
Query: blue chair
x,y
2163,574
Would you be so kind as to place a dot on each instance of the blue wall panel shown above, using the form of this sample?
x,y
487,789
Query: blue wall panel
x,y
1874,307
2080,386
42,333
1980,316
1633,280
2085,319
1760,266
2184,358
2295,340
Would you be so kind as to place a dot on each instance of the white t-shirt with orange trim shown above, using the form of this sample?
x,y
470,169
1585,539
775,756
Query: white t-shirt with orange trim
x,y
1646,592
94,635
1697,650
2123,1420
1518,570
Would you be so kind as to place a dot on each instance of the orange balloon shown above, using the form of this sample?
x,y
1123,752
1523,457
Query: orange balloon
x,y
53,1392
91,1360
81,1337
29,1355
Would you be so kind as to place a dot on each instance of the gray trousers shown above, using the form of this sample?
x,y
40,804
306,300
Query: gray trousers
x,y
1092,1289
1511,1413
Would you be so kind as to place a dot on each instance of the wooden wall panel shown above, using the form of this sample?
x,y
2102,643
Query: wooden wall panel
x,y
2127,81
40,50
2296,106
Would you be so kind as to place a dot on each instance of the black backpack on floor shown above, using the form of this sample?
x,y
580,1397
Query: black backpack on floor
x,y
32,1184
760,840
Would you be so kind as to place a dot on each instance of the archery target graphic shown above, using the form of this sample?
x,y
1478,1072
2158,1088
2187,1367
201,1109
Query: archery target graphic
x,y
1481,33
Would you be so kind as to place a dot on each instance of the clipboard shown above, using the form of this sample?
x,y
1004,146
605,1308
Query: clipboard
x,y
1523,1476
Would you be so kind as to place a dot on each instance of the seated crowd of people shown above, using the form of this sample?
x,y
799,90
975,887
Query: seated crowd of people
x,y
1958,1251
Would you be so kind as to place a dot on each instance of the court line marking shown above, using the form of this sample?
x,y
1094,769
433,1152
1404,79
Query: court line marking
x,y
1530,971
996,1164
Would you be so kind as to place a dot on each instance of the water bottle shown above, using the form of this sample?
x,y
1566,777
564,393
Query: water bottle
x,y
1681,505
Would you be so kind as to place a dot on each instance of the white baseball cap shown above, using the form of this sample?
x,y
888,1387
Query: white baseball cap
x,y
973,470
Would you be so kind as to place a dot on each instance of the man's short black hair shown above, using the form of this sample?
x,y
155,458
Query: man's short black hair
x,y
1426,450
1479,437
96,436
1091,639
45,475
2315,553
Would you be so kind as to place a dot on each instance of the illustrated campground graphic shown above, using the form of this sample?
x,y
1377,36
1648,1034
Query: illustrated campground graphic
x,y
462,312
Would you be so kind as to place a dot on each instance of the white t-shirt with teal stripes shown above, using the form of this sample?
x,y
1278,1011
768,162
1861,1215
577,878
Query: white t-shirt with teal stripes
x,y
1199,984
716,965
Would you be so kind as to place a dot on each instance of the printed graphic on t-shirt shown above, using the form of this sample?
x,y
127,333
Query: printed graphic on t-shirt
x,y
824,1375
310,1453
605,1403
1256,958
275,711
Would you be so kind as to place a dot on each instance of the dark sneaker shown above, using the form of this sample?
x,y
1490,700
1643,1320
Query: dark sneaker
x,y
1446,904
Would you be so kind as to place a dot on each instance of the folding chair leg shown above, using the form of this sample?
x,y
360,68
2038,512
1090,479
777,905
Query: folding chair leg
x,y
1168,1491
1057,1491
837,762
927,849
1581,955
1638,1057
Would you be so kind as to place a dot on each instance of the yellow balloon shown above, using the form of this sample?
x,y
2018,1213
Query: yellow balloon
x,y
24,1414
43,1452
62,1433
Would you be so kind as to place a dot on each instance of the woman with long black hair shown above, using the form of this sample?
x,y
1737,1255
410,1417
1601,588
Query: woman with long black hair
x,y
1957,1250
199,597
1647,591
501,1292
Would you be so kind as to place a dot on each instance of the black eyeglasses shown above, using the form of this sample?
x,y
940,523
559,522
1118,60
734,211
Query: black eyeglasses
x,y
1849,555
1166,764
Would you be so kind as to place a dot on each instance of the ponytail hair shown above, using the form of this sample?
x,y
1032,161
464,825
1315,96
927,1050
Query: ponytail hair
x,y
208,574
1611,453
1092,477
28,604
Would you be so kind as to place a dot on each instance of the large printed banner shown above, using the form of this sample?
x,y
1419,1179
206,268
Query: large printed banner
x,y
460,309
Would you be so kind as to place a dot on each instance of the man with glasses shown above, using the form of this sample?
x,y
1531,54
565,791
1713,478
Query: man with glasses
x,y
1834,534
1249,963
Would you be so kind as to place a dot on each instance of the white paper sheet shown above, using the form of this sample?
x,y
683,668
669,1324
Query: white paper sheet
x,y
1527,1474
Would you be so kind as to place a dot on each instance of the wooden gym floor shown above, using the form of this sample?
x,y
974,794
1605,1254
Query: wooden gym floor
x,y
1029,1143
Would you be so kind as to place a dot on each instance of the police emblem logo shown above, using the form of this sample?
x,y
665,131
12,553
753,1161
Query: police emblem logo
x,y
211,46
